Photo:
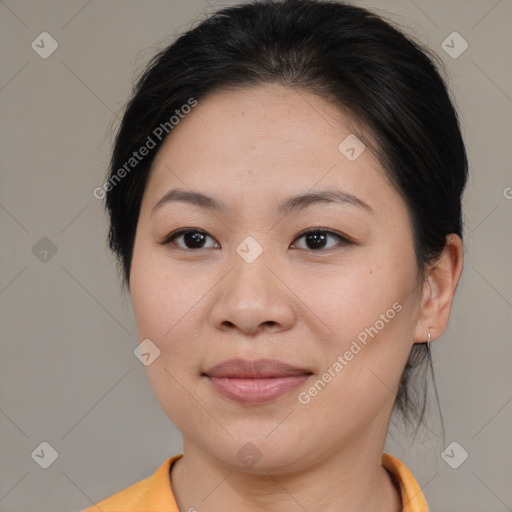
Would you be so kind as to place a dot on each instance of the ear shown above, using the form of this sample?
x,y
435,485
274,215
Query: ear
x,y
438,290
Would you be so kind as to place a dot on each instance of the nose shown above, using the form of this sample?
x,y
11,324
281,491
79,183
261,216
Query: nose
x,y
254,297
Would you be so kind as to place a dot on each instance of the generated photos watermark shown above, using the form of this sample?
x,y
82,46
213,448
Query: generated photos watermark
x,y
343,360
157,135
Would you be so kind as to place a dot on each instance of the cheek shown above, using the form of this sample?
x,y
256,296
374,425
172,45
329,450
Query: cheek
x,y
159,298
162,307
168,304
366,314
347,299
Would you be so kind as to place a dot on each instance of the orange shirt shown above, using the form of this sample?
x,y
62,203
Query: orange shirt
x,y
154,494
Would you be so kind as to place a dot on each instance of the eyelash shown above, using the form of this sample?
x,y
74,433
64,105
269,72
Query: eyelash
x,y
343,239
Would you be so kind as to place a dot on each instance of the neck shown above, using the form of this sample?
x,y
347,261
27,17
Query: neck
x,y
350,479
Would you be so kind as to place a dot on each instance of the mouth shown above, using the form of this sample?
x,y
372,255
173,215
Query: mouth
x,y
255,381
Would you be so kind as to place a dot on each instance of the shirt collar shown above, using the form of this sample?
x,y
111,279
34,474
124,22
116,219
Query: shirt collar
x,y
413,499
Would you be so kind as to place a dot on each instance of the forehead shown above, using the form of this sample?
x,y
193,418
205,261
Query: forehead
x,y
268,141
285,123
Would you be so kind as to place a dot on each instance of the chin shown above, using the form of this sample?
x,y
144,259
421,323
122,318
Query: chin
x,y
259,455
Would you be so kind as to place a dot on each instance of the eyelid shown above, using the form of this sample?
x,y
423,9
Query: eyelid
x,y
344,239
168,239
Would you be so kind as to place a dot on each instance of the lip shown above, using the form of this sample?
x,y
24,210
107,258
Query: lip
x,y
255,381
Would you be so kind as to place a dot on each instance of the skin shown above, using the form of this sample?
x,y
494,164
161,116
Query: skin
x,y
251,149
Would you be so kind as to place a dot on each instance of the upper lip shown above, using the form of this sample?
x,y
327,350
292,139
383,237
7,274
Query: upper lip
x,y
253,369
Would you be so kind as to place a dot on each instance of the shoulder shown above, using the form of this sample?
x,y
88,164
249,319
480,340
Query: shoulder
x,y
153,493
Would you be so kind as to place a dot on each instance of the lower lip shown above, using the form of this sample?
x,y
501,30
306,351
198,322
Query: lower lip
x,y
256,390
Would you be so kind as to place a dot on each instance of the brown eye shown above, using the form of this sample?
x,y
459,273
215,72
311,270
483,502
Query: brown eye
x,y
317,239
195,239
192,239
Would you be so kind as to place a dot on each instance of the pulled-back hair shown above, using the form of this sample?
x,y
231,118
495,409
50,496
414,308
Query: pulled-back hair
x,y
388,83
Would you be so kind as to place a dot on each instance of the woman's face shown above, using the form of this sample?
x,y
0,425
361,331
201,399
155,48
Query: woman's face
x,y
337,309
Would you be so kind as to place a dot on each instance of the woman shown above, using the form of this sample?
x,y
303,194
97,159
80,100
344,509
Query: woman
x,y
285,203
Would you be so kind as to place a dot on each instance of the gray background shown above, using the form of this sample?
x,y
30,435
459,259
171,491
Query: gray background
x,y
68,373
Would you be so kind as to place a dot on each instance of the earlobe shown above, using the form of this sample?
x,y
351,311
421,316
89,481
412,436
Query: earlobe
x,y
439,289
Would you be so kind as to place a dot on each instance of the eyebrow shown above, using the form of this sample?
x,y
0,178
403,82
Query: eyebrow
x,y
291,204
